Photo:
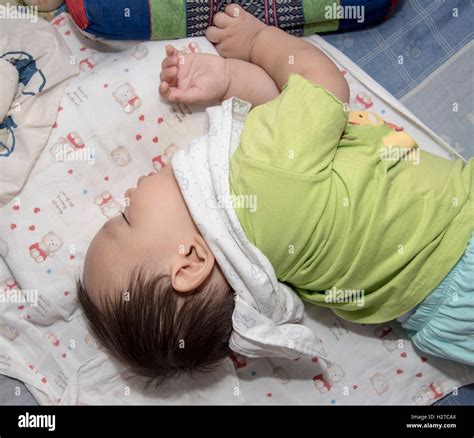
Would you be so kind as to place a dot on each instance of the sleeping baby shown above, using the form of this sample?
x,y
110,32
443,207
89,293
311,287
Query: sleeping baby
x,y
296,200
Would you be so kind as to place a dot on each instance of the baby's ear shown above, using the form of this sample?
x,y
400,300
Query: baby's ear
x,y
192,266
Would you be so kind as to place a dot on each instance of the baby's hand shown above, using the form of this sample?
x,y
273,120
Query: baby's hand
x,y
193,77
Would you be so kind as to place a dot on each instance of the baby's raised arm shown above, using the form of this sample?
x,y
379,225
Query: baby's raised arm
x,y
237,34
255,64
250,83
280,54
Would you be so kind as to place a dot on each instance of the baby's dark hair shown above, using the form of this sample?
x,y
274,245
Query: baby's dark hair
x,y
159,332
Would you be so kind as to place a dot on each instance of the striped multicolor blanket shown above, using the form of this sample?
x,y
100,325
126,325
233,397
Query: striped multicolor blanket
x,y
166,19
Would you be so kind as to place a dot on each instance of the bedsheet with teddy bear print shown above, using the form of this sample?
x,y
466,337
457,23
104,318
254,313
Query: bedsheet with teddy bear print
x,y
112,127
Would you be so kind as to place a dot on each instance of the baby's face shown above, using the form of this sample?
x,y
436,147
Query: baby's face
x,y
153,228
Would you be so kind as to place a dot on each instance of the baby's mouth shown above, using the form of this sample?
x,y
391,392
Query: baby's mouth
x,y
139,180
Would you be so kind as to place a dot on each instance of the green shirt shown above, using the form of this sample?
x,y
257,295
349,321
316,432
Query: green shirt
x,y
349,203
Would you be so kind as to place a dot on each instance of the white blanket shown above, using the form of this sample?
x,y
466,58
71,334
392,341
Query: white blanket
x,y
267,313
63,203
35,65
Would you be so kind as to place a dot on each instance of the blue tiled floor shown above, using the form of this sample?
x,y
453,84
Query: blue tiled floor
x,y
421,43
424,32
464,397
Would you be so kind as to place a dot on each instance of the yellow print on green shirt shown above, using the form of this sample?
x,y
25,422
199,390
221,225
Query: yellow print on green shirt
x,y
398,138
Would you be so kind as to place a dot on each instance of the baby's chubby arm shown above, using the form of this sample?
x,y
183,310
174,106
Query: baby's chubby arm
x,y
281,54
208,79
238,34
250,83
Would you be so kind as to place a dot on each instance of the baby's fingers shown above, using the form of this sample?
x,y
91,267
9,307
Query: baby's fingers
x,y
170,93
170,61
171,57
169,74
191,95
170,50
164,90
